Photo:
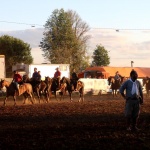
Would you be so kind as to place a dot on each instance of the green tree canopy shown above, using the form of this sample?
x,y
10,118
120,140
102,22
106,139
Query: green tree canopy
x,y
15,51
64,39
100,56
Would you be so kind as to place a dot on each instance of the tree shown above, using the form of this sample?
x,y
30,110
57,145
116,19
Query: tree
x,y
15,51
100,56
64,38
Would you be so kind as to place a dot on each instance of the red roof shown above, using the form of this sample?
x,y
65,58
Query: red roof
x,y
123,71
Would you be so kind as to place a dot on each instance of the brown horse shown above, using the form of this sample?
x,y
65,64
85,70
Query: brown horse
x,y
25,89
41,88
66,84
146,83
44,88
80,88
115,84
35,85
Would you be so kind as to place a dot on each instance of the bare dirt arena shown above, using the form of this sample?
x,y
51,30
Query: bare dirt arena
x,y
98,123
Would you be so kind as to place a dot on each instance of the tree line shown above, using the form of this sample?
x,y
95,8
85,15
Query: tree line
x,y
65,40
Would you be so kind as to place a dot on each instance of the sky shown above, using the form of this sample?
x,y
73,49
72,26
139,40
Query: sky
x,y
104,17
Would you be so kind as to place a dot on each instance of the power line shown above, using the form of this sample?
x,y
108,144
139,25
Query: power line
x,y
118,29
21,23
98,28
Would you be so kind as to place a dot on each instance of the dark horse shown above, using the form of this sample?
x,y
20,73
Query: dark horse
x,y
55,86
66,85
25,89
146,83
71,86
115,84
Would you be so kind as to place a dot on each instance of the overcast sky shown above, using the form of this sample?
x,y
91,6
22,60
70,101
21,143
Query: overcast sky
x,y
131,17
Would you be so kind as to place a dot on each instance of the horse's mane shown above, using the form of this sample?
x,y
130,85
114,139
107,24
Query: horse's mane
x,y
65,79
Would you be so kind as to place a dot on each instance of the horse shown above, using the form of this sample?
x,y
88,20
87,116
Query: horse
x,y
40,87
146,83
70,87
44,88
55,86
115,85
25,89
80,88
35,84
66,84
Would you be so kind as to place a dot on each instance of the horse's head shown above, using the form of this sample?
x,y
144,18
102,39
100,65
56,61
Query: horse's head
x,y
110,80
65,80
4,83
48,79
25,78
80,85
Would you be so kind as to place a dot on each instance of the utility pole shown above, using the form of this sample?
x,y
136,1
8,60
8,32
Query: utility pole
x,y
132,64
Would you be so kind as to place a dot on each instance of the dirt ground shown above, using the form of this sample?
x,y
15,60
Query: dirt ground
x,y
98,123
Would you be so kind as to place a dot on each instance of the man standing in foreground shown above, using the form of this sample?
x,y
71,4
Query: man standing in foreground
x,y
133,97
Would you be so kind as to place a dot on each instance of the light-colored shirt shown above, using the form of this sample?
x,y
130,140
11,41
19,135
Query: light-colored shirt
x,y
127,85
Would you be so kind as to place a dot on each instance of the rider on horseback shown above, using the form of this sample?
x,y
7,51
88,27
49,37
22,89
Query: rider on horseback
x,y
35,74
57,73
117,77
74,78
17,80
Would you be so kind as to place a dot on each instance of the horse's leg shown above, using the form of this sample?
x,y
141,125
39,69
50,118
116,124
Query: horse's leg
x,y
38,95
5,100
34,99
70,95
31,97
14,97
55,95
50,94
46,96
147,92
79,97
116,92
25,97
42,95
61,95
82,95
113,92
